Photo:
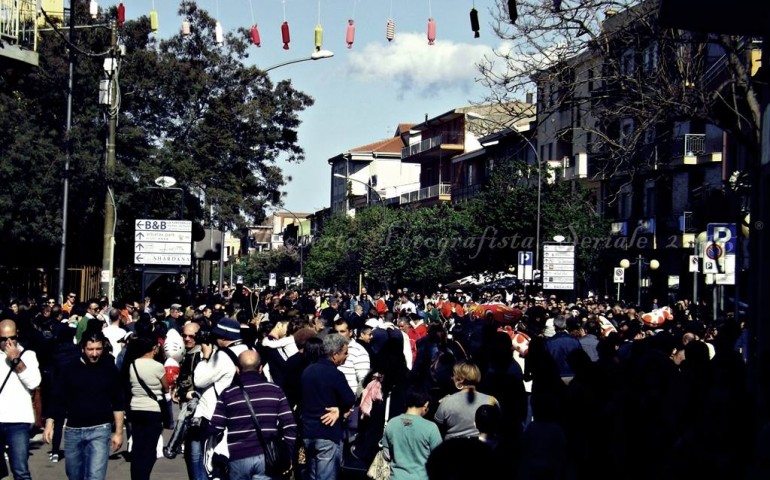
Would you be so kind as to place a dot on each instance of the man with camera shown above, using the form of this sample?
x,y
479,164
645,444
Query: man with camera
x,y
218,366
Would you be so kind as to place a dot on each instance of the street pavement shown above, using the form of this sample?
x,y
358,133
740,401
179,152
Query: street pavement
x,y
118,468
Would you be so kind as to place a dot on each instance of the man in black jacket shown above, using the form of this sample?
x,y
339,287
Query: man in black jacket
x,y
90,397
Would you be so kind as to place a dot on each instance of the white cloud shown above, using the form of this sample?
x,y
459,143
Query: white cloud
x,y
410,63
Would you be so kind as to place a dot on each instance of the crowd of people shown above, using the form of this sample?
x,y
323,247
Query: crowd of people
x,y
437,386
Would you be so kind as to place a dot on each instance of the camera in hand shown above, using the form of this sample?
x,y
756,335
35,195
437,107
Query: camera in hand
x,y
205,336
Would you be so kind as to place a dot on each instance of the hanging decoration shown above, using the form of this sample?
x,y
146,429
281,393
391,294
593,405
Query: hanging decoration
x,y
185,22
431,26
93,9
285,36
319,31
121,15
350,34
218,32
254,29
153,18
390,26
513,13
475,21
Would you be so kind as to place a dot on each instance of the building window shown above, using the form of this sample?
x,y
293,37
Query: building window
x,y
627,63
590,79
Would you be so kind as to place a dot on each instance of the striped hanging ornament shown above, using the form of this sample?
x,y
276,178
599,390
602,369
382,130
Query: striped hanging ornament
x,y
390,29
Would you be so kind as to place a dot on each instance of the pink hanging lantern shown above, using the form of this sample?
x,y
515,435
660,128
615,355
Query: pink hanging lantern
x,y
286,37
431,31
350,35
255,36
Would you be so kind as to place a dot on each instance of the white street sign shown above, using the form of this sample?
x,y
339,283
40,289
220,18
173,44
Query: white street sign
x,y
619,275
163,225
694,261
162,242
163,258
273,281
558,267
157,236
162,247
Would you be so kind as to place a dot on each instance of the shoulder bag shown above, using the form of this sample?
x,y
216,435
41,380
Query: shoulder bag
x,y
165,413
277,453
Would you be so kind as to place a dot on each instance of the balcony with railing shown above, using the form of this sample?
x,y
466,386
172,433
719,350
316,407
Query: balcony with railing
x,y
463,194
695,148
432,143
440,192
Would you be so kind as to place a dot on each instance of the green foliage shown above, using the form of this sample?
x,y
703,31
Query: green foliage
x,y
424,246
188,108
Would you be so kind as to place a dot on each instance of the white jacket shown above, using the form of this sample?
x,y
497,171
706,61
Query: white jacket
x,y
16,397
213,377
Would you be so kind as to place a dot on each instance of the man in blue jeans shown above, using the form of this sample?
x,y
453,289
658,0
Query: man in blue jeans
x,y
326,399
90,397
20,375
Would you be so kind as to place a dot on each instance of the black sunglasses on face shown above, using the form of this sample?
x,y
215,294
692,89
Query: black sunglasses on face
x,y
5,339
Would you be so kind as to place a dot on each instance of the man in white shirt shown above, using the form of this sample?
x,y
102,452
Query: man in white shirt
x,y
356,366
407,305
20,375
114,332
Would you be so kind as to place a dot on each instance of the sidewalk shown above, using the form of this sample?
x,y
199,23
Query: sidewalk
x,y
118,468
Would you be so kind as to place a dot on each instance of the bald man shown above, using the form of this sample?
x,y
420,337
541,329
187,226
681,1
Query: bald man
x,y
247,458
20,374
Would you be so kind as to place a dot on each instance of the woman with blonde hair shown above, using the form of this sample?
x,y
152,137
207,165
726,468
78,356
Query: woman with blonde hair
x,y
456,413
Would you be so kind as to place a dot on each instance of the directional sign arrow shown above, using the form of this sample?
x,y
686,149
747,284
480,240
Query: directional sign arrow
x,y
139,235
139,258
138,246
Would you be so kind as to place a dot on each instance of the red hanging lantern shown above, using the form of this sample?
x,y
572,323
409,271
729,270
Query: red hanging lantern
x,y
431,31
475,22
255,36
350,35
121,15
285,35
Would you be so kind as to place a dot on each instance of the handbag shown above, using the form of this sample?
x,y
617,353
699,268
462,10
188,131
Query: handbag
x,y
380,467
277,454
165,411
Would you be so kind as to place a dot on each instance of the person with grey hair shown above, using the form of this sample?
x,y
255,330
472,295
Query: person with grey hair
x,y
560,345
326,398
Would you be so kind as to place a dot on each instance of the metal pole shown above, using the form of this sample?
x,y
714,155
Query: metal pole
x,y
67,157
537,228
110,214
639,281
618,299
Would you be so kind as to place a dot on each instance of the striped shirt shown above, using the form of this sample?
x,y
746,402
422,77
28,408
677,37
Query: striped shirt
x,y
356,366
272,410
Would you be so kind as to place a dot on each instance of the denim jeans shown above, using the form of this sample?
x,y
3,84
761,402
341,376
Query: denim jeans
x,y
324,458
16,436
193,454
249,468
87,451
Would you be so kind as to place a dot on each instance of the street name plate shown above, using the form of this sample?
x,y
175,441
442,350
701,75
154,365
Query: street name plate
x,y
163,258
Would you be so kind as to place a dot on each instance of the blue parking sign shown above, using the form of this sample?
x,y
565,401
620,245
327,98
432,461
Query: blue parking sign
x,y
723,233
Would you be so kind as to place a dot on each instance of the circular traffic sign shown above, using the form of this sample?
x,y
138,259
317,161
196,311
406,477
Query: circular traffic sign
x,y
714,251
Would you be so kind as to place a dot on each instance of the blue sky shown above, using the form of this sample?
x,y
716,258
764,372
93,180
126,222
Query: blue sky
x,y
363,93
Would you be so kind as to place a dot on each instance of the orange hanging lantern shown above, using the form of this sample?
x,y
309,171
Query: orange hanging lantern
x,y
350,35
431,31
185,28
286,37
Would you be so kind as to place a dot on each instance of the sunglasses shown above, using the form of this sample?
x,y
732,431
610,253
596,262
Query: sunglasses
x,y
188,336
70,296
5,339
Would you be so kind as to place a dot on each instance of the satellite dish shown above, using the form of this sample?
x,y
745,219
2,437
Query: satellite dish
x,y
165,182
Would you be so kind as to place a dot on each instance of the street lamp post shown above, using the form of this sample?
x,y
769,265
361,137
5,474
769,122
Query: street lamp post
x,y
369,187
318,55
640,262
